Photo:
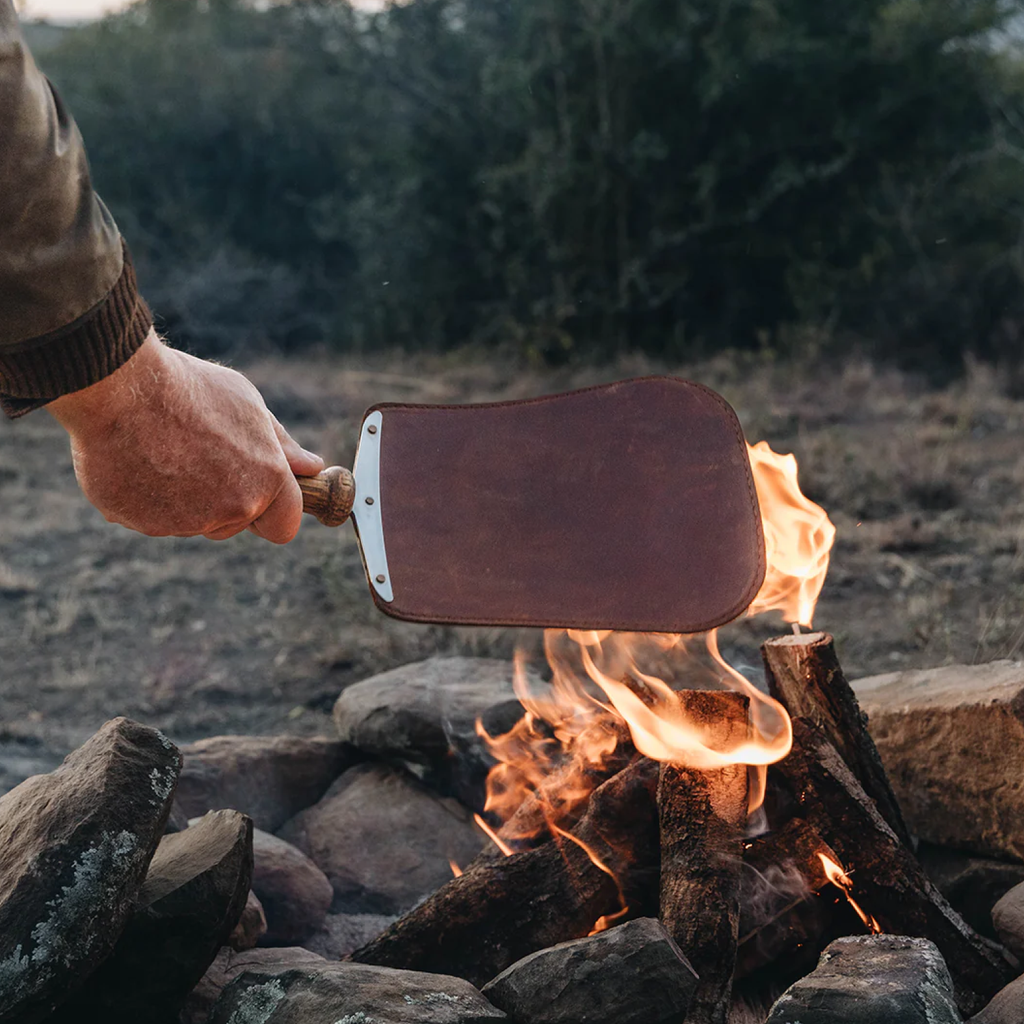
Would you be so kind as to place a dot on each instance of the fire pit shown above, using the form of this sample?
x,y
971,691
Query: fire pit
x,y
664,841
756,826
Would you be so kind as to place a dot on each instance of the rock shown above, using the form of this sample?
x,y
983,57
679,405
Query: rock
x,y
631,974
1008,919
270,778
1006,1007
228,965
74,848
295,893
952,741
348,993
870,979
425,714
383,839
342,934
193,895
972,885
251,927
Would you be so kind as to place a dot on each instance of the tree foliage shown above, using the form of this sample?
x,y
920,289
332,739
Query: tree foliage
x,y
566,175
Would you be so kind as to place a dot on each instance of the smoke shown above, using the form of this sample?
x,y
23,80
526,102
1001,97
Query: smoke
x,y
767,894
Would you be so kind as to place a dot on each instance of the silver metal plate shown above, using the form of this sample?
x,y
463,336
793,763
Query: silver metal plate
x,y
366,510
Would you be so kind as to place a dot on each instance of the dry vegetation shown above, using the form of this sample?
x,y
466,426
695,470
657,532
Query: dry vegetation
x,y
199,638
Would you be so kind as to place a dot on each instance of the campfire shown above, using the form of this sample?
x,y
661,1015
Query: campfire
x,y
667,840
650,778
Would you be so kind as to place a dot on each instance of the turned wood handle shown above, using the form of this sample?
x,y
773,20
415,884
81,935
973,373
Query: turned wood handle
x,y
329,495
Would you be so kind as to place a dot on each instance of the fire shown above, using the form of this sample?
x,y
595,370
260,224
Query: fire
x,y
798,538
607,687
841,880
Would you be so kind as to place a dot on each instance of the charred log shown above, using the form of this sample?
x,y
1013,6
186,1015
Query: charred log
x,y
498,911
805,676
789,911
887,881
701,815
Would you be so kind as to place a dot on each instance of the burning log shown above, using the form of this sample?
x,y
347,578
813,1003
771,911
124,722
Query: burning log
x,y
789,910
498,911
701,814
884,875
804,675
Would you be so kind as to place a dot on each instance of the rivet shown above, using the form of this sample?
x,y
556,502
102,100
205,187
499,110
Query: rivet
x,y
371,429
369,501
380,577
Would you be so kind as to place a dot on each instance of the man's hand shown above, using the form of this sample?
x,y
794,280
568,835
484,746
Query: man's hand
x,y
170,445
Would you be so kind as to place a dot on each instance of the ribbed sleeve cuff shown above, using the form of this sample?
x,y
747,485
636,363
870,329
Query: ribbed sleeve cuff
x,y
77,355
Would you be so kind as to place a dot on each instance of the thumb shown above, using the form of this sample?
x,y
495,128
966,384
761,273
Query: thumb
x,y
300,462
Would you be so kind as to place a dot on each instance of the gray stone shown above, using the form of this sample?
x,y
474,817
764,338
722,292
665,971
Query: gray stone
x,y
1006,1007
971,884
270,778
348,993
631,974
1008,919
228,965
383,839
425,714
872,979
342,934
952,741
295,893
74,848
251,927
193,895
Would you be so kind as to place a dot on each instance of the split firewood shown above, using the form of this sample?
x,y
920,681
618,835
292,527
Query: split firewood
x,y
498,911
701,815
805,676
886,879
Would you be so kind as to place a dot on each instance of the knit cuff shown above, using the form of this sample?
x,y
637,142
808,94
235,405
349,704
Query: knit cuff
x,y
80,354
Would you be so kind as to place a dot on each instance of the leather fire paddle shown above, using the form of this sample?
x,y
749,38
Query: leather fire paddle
x,y
629,506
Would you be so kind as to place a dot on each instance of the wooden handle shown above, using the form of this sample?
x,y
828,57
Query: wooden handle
x,y
329,495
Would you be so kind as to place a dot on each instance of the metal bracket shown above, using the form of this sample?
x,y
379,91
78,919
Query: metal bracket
x,y
366,510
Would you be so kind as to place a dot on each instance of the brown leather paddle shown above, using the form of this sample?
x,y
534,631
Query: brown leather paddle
x,y
628,506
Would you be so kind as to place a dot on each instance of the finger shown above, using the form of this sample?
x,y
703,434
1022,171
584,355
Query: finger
x,y
226,532
279,521
301,462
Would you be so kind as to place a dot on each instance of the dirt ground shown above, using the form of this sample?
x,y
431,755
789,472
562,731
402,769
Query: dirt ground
x,y
198,638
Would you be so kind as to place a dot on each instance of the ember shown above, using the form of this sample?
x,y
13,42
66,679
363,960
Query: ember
x,y
841,880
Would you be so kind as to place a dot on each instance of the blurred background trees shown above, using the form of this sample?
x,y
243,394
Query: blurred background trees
x,y
567,177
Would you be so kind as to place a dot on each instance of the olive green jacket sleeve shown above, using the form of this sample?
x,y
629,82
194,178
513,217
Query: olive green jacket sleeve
x,y
70,313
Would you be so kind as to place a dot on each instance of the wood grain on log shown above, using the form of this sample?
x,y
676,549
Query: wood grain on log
x,y
887,880
701,816
804,675
498,911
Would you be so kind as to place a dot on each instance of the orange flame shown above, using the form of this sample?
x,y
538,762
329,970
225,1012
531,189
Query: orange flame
x,y
598,692
456,870
798,538
841,880
493,836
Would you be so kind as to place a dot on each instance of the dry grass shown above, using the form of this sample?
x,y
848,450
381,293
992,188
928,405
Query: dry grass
x,y
925,488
